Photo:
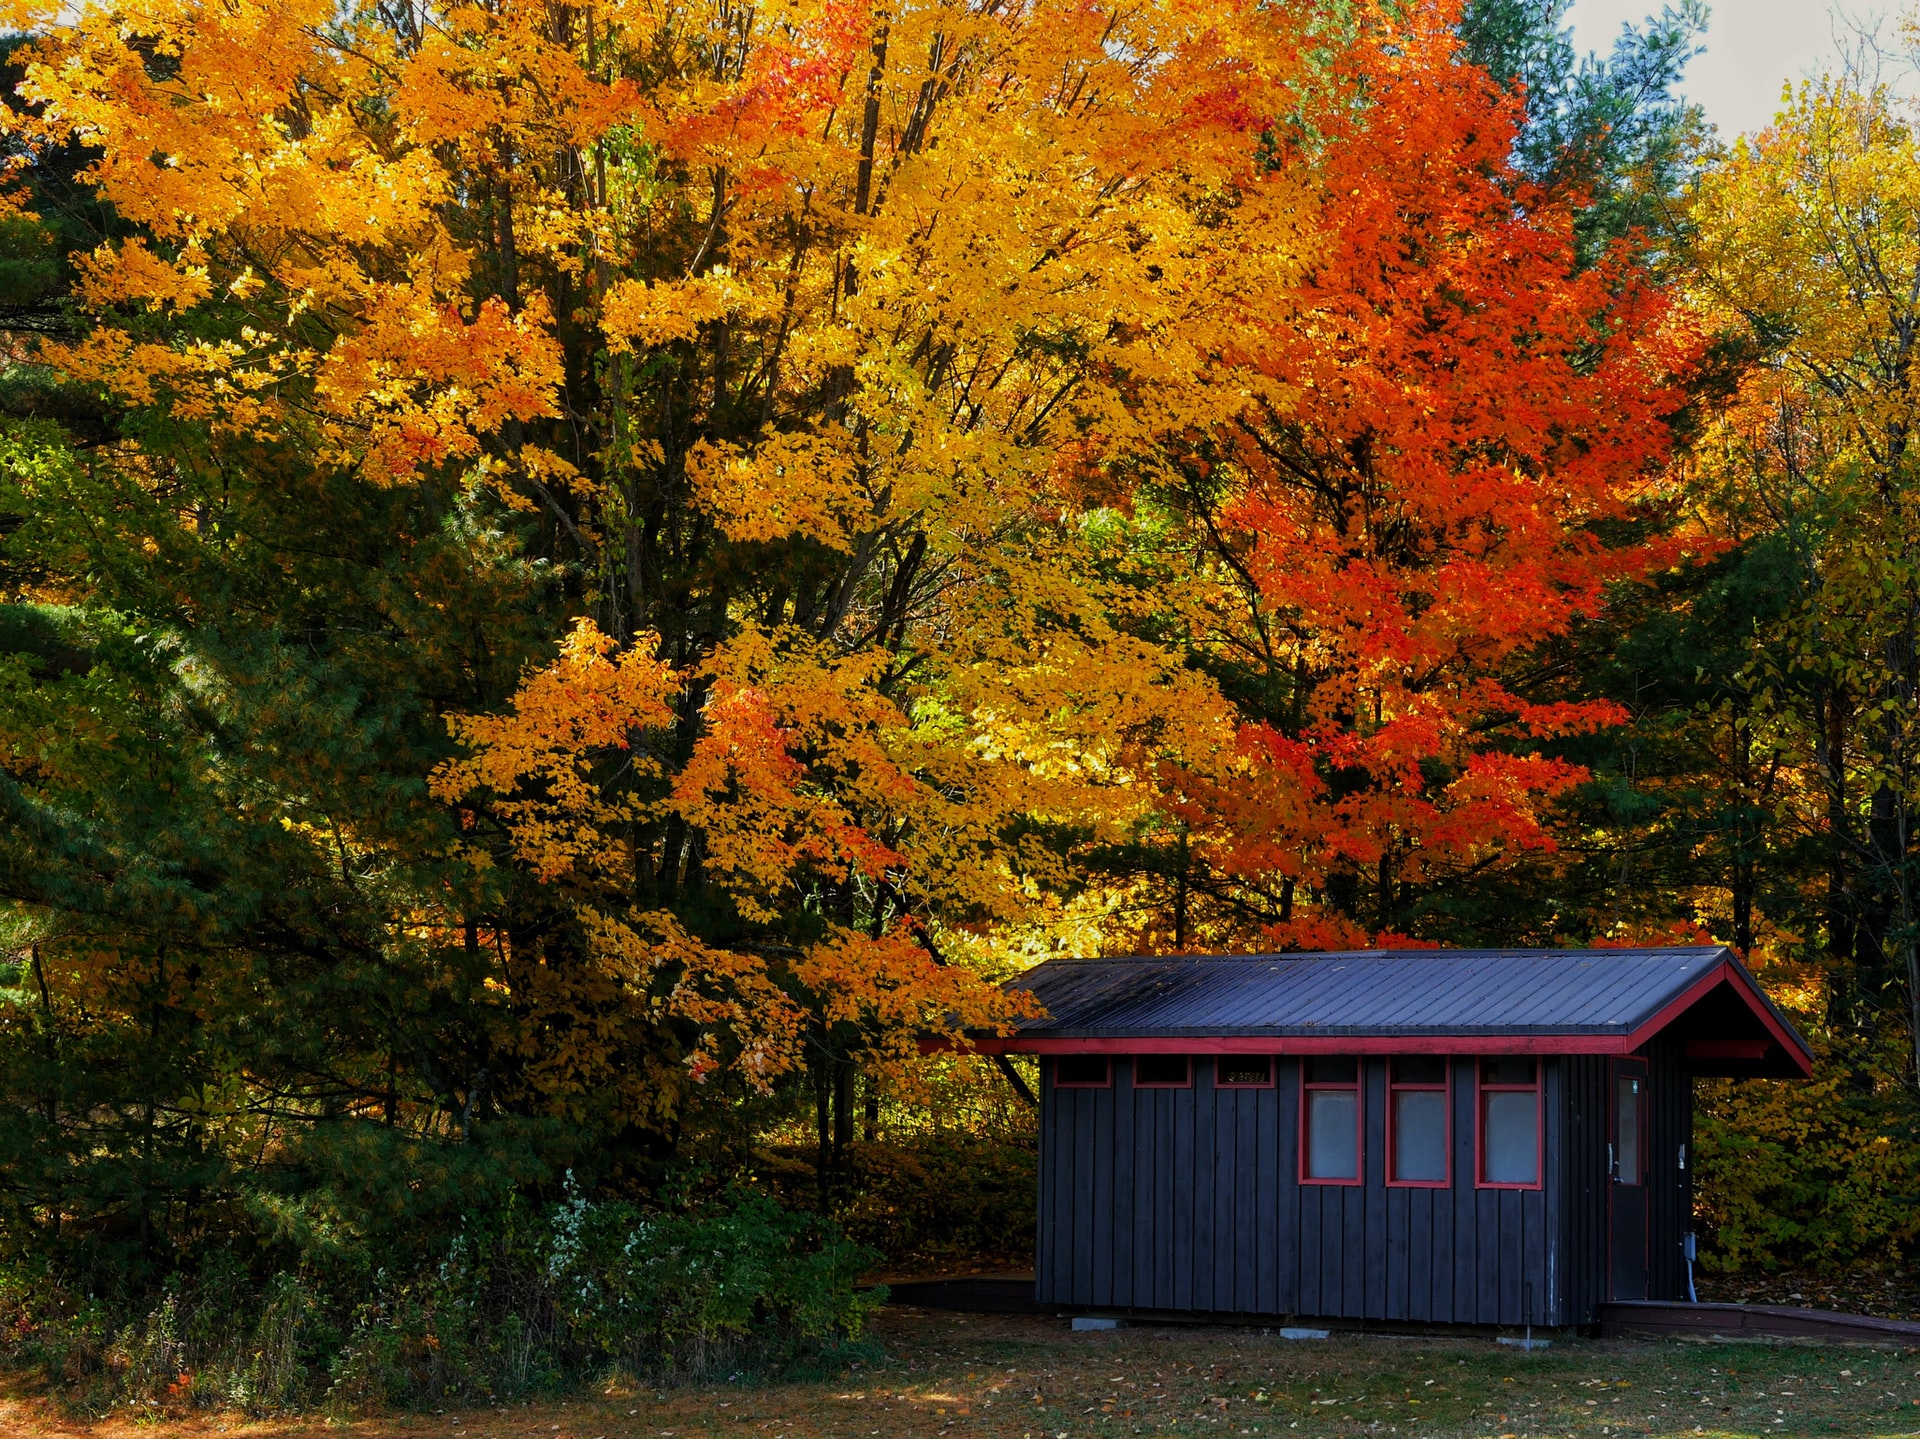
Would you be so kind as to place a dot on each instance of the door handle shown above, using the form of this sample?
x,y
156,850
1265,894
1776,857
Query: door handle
x,y
1613,1167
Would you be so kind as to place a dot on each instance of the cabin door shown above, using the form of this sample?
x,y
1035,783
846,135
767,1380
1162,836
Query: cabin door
x,y
1627,1180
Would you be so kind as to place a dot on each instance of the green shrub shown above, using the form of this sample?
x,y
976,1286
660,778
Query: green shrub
x,y
515,1304
692,1292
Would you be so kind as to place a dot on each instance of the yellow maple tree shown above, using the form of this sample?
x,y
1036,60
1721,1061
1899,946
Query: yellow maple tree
x,y
1807,264
808,343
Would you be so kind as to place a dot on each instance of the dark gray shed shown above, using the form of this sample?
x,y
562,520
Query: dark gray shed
x,y
1424,1136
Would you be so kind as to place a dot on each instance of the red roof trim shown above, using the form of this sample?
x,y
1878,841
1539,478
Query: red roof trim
x,y
1297,1044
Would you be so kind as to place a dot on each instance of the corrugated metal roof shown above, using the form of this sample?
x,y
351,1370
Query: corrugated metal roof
x,y
1536,992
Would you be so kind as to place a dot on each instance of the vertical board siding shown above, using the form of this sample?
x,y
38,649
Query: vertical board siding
x,y
1460,1303
1583,1186
1290,1261
1134,1279
1308,1249
1160,1104
1669,1188
1371,1261
1190,1199
1100,1251
1419,1275
1201,1197
1124,1250
1247,1257
1176,1221
1082,1190
1398,1270
1548,1254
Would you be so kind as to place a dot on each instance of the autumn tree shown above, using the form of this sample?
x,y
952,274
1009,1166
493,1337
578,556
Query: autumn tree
x,y
1451,433
589,608
1757,792
1808,254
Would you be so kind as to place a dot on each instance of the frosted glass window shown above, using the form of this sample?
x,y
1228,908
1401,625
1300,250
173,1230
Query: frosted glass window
x,y
1510,1137
1420,1135
1333,1133
1627,1116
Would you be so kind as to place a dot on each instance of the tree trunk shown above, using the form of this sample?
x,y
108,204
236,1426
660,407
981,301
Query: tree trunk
x,y
823,1124
1830,718
1740,879
843,1075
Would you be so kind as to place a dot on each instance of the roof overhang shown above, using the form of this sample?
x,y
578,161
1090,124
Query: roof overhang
x,y
1723,1023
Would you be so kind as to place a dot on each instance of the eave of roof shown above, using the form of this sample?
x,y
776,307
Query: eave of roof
x,y
1650,989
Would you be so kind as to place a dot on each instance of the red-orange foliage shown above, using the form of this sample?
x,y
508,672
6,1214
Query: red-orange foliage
x,y
1462,416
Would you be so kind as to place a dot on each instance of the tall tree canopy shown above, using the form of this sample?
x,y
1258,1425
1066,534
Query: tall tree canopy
x,y
579,568
763,357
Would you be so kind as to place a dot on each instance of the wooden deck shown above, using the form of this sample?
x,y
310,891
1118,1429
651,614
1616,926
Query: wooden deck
x,y
1751,1321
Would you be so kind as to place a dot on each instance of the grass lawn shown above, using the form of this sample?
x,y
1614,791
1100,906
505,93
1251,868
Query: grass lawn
x,y
947,1376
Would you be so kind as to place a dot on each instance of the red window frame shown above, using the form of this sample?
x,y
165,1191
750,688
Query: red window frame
x,y
1395,1087
1220,1065
1186,1083
1481,1090
1358,1087
1106,1064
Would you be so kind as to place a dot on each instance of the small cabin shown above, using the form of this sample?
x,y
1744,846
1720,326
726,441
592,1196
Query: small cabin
x,y
1490,1137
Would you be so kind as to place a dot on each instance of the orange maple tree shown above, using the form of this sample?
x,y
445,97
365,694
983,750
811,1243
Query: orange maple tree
x,y
1452,431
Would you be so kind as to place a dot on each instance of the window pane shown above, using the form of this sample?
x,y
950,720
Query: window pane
x,y
1239,1069
1332,1069
1511,1136
1332,1134
1420,1135
1080,1069
1420,1069
1627,1110
1161,1069
1507,1069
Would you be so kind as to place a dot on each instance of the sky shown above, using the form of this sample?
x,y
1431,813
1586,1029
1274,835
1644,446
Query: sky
x,y
1752,48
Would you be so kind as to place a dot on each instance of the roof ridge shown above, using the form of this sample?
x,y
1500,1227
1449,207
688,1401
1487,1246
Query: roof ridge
x,y
1295,956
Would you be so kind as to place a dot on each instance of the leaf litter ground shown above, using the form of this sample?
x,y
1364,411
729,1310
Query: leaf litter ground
x,y
946,1376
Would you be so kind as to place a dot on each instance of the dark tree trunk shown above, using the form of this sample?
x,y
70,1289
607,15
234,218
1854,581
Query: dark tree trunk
x,y
1745,830
1838,908
843,1074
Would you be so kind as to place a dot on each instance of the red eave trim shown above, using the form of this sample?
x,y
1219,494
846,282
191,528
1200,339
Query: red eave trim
x,y
1726,972
1297,1044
